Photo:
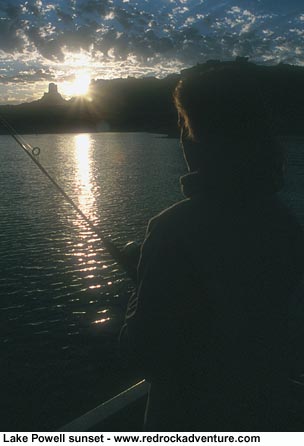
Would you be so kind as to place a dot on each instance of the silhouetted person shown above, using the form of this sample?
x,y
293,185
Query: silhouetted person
x,y
208,326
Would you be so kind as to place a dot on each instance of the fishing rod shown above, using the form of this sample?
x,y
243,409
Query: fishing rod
x,y
121,257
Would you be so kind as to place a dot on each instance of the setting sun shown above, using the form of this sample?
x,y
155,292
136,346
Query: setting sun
x,y
78,87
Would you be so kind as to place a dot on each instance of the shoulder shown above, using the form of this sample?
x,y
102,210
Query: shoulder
x,y
166,231
285,216
172,218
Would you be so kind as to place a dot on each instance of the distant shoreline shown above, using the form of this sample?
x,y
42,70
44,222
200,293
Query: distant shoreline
x,y
146,104
158,133
282,137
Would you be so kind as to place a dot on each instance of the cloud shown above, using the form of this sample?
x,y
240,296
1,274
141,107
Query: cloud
x,y
10,39
186,27
10,25
27,76
121,34
66,18
94,6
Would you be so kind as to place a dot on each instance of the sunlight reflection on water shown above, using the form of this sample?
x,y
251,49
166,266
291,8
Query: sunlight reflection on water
x,y
83,156
57,269
56,273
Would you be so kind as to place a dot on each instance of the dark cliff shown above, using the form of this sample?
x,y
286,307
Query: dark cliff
x,y
146,104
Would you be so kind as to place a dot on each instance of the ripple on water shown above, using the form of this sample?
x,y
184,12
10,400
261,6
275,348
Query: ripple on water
x,y
54,267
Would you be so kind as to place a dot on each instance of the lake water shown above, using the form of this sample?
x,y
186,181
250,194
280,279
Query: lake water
x,y
52,262
62,295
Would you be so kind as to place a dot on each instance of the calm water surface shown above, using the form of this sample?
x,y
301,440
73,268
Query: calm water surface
x,y
52,264
59,287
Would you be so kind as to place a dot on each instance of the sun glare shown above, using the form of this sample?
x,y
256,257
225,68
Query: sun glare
x,y
78,87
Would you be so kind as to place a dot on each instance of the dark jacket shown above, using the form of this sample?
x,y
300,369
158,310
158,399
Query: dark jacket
x,y
208,325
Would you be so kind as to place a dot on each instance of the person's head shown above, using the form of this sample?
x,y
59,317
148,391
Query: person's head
x,y
226,129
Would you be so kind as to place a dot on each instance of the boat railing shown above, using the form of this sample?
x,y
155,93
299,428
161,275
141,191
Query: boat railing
x,y
102,413
114,409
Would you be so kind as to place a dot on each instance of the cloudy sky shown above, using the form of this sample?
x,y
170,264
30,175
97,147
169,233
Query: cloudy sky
x,y
71,41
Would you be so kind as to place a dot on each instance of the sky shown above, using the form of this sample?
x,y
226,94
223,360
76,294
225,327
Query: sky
x,y
70,42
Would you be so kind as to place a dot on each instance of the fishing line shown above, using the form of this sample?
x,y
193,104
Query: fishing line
x,y
121,258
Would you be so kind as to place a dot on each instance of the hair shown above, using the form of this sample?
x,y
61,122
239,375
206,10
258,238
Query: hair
x,y
223,112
